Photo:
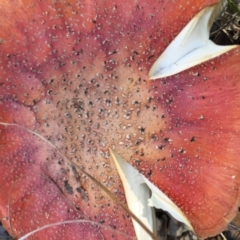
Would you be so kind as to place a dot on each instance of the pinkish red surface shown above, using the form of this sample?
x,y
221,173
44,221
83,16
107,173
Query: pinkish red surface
x,y
76,73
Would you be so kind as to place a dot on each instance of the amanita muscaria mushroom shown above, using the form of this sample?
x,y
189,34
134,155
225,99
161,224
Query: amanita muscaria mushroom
x,y
74,88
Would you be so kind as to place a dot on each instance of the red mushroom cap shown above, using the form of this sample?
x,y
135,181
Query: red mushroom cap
x,y
75,72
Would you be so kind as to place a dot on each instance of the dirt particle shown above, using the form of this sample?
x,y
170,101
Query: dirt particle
x,y
68,187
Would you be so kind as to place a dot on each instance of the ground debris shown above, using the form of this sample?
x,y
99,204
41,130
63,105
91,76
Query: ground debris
x,y
226,28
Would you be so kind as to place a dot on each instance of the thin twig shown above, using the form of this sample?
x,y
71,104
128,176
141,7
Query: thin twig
x,y
124,206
